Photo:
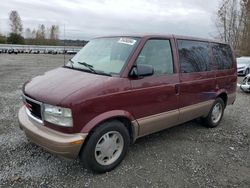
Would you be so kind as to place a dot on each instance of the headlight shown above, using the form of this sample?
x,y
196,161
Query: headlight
x,y
58,115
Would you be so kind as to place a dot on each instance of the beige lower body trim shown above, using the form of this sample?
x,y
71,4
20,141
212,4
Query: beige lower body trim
x,y
155,123
231,98
194,111
66,145
135,130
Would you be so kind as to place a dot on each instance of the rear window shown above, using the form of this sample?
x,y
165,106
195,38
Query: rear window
x,y
194,56
223,57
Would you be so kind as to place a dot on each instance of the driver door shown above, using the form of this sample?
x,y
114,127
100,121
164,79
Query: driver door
x,y
156,97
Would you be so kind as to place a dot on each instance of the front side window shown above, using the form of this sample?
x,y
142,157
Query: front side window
x,y
158,53
107,55
223,56
194,56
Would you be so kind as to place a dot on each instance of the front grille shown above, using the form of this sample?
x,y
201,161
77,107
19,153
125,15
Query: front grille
x,y
33,107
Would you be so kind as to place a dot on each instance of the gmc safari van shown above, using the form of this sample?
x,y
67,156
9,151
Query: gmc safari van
x,y
117,89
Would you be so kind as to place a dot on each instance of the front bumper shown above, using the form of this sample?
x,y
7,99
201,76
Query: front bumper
x,y
66,145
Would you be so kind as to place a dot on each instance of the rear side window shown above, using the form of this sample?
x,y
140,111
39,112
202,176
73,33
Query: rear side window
x,y
194,56
158,53
223,56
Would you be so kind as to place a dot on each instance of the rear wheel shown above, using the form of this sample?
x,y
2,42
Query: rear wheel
x,y
106,147
216,113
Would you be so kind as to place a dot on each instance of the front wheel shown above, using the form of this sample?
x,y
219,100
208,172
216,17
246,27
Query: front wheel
x,y
216,113
106,147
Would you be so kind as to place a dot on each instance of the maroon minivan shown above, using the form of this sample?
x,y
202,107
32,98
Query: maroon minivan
x,y
117,89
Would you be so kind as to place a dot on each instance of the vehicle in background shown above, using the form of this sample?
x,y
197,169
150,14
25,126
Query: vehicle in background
x,y
39,50
71,52
4,50
245,84
55,51
49,51
12,51
21,51
61,51
117,89
35,51
26,51
243,66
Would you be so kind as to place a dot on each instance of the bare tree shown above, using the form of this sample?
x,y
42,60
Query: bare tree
x,y
245,43
0,28
15,22
233,24
229,21
2,38
41,33
33,34
54,32
28,33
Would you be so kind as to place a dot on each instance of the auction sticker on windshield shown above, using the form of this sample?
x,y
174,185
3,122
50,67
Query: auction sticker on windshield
x,y
127,41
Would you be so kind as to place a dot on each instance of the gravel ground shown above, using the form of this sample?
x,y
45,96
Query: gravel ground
x,y
188,155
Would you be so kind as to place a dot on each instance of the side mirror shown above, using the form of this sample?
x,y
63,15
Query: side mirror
x,y
141,70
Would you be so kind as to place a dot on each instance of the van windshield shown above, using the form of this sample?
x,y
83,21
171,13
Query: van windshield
x,y
104,55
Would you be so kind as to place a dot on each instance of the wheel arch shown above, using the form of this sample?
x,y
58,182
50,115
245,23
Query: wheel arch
x,y
123,116
224,96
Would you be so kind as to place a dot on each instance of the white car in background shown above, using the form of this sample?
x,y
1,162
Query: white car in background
x,y
243,66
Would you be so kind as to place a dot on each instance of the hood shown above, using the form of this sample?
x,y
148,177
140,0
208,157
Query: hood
x,y
55,85
242,65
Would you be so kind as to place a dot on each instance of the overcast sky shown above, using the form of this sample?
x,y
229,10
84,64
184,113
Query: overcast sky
x,y
91,18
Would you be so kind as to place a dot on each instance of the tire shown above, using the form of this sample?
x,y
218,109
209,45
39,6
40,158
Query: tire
x,y
95,154
212,120
247,72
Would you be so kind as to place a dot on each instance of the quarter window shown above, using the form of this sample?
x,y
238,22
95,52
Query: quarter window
x,y
223,56
194,56
158,53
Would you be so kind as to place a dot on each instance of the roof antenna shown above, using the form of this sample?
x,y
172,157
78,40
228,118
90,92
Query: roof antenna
x,y
64,52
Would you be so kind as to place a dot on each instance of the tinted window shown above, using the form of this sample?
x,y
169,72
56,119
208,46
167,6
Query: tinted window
x,y
223,56
194,56
158,54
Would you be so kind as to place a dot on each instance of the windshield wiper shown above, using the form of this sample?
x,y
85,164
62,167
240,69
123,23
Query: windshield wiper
x,y
103,73
90,67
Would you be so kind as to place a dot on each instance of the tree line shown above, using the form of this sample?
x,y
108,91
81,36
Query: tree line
x,y
41,35
233,24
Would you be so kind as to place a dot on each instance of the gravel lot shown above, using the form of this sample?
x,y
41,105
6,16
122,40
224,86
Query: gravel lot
x,y
188,155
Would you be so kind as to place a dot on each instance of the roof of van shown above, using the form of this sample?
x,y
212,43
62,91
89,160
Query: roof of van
x,y
166,36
